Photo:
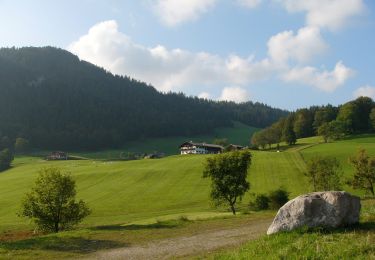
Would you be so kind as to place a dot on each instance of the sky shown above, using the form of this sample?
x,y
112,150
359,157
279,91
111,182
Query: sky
x,y
285,53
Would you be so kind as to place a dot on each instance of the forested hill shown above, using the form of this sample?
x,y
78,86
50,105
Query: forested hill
x,y
56,101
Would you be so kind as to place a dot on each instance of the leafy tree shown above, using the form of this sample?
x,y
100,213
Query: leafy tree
x,y
323,115
21,145
325,131
259,139
5,143
372,118
6,158
51,202
324,173
228,173
347,116
364,106
278,198
303,123
289,136
364,175
338,129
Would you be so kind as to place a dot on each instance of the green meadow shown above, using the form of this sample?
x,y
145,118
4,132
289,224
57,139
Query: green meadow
x,y
238,134
149,191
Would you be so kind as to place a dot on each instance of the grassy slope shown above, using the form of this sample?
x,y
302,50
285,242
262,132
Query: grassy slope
x,y
121,192
147,190
342,150
238,134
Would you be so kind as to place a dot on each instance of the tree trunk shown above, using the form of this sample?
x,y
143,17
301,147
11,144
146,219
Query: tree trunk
x,y
56,227
233,209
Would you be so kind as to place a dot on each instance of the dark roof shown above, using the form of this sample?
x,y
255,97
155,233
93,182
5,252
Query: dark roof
x,y
236,146
203,145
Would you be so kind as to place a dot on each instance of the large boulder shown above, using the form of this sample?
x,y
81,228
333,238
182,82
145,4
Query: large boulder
x,y
318,209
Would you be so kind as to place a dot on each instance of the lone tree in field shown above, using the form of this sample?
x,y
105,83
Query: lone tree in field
x,y
324,173
51,202
228,174
364,175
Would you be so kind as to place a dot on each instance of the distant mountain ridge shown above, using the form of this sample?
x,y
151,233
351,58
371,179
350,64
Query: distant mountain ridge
x,y
57,101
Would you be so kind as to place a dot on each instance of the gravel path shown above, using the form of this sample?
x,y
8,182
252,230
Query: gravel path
x,y
189,245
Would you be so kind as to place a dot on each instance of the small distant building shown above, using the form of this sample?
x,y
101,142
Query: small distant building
x,y
200,148
55,156
234,147
155,155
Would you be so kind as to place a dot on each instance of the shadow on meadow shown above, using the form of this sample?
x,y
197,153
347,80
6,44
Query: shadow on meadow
x,y
157,225
361,227
63,244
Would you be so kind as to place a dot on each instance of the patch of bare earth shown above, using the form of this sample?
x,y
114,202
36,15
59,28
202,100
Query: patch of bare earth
x,y
186,246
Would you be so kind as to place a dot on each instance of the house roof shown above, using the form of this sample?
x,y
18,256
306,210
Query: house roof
x,y
203,145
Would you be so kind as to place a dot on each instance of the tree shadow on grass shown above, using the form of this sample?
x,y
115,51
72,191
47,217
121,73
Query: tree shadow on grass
x,y
158,225
361,227
62,244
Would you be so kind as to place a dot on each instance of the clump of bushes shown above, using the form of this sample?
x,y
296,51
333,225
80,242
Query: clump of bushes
x,y
274,200
278,198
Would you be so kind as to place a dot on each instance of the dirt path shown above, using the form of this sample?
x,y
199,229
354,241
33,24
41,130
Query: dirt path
x,y
189,245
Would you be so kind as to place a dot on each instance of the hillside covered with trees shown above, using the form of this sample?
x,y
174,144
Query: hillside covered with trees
x,y
55,101
330,122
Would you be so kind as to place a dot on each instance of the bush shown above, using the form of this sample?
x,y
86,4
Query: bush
x,y
51,203
261,202
278,198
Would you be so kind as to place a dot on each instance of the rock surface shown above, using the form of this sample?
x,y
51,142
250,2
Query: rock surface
x,y
318,209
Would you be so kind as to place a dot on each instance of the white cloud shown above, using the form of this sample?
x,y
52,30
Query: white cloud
x,y
167,70
249,3
174,12
325,80
235,94
331,14
182,70
301,47
365,91
204,95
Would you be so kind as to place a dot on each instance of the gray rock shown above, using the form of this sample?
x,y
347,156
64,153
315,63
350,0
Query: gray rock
x,y
318,209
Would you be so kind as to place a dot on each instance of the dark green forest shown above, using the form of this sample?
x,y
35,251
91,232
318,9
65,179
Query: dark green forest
x,y
330,122
55,101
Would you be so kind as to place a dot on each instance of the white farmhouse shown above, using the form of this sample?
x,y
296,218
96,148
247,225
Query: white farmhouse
x,y
200,148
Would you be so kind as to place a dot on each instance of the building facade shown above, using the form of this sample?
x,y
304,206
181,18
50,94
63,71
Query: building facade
x,y
200,148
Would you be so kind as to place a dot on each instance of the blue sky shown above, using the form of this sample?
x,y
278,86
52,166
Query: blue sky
x,y
286,53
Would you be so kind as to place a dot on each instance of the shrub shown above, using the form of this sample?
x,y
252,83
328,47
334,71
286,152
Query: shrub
x,y
278,198
51,202
261,202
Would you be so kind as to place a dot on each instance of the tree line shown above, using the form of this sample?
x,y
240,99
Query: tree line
x,y
330,122
57,101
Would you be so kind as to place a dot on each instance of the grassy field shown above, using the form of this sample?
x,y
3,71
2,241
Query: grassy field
x,y
347,243
238,134
145,192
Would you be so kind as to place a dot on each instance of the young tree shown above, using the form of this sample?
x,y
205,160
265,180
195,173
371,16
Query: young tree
x,y
372,118
228,174
364,175
51,202
6,158
325,131
289,136
324,173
